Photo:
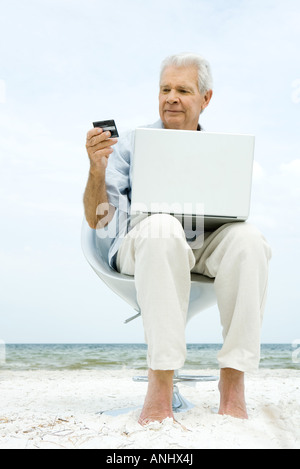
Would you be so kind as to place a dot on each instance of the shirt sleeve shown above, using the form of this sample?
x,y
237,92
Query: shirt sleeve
x,y
118,173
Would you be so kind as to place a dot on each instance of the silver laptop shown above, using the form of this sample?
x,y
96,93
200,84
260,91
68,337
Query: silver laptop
x,y
192,175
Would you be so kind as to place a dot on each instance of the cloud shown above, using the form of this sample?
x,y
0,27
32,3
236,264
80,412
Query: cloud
x,y
276,199
258,171
291,168
290,174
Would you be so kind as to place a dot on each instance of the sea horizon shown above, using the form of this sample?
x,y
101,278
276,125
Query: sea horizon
x,y
75,356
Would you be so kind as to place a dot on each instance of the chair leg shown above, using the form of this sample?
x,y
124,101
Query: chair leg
x,y
179,403
181,378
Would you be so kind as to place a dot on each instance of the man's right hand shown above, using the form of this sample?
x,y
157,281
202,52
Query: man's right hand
x,y
98,211
99,148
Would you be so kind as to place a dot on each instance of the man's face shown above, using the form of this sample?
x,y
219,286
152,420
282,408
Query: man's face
x,y
180,102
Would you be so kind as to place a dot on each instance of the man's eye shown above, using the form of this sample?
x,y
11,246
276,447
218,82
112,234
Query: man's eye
x,y
165,90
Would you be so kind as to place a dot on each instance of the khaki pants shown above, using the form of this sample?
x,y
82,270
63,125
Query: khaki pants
x,y
155,251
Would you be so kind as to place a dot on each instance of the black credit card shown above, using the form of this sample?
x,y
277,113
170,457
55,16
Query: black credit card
x,y
108,125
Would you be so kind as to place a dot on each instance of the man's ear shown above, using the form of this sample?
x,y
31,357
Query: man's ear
x,y
207,98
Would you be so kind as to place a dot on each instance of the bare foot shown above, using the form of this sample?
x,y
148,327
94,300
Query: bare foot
x,y
158,401
232,394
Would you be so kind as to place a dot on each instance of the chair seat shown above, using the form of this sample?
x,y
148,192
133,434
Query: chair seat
x,y
202,294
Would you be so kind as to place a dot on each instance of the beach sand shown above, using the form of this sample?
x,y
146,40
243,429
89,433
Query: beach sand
x,y
58,409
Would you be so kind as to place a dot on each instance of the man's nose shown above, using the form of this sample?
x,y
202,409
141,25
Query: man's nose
x,y
172,97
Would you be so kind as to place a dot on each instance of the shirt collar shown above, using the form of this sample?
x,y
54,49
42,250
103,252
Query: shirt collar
x,y
160,125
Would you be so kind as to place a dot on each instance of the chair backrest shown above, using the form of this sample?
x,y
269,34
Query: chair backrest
x,y
95,249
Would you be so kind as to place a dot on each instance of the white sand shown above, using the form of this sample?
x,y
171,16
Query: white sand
x,y
57,409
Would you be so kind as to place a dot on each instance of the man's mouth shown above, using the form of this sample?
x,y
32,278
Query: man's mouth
x,y
172,111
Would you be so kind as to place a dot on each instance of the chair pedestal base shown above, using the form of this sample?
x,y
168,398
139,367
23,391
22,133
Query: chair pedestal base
x,y
179,403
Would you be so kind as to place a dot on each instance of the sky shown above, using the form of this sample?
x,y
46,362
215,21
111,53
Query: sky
x,y
67,63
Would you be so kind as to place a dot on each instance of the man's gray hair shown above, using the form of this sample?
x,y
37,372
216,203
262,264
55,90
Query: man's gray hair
x,y
187,59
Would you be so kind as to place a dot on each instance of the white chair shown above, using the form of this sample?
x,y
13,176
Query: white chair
x,y
202,296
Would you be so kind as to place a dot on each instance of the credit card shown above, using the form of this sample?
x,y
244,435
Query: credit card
x,y
108,125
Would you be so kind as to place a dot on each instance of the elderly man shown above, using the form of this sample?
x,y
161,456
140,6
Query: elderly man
x,y
236,255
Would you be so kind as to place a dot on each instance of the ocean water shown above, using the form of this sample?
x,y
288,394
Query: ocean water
x,y
133,356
